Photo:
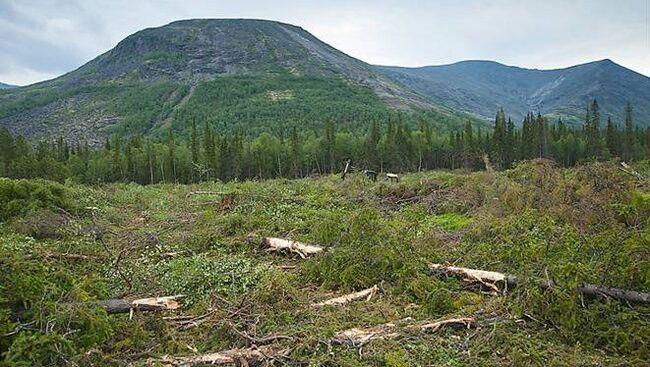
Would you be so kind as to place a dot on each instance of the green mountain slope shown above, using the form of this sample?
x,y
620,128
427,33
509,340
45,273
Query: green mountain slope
x,y
252,74
481,87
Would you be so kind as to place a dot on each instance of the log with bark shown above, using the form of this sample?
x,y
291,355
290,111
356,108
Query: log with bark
x,y
143,304
366,293
357,337
234,357
493,280
302,249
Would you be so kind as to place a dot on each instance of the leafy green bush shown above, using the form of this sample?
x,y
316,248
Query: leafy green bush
x,y
19,197
200,276
45,313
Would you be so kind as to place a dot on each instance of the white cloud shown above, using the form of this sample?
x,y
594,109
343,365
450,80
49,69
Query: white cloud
x,y
42,39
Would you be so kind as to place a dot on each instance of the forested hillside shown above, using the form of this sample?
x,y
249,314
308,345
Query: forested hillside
x,y
405,142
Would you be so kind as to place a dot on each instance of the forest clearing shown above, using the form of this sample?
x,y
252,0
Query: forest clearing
x,y
324,271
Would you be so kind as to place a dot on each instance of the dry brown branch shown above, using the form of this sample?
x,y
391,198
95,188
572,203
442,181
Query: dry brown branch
x,y
239,357
304,250
366,293
494,279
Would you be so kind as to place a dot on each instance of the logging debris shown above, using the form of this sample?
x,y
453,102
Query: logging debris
x,y
113,306
366,293
627,169
302,249
357,337
239,357
493,280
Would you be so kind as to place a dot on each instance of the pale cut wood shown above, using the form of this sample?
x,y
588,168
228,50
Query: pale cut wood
x,y
492,279
627,169
357,337
239,357
144,304
366,293
302,249
466,322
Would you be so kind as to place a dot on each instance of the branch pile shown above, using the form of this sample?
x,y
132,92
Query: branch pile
x,y
493,280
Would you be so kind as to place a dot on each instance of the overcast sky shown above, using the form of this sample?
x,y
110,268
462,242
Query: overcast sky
x,y
41,39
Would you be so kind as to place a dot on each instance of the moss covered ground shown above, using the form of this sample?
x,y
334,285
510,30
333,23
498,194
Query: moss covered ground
x,y
536,221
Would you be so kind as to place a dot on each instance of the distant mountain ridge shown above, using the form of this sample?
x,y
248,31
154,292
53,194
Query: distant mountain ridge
x,y
166,65
7,86
482,87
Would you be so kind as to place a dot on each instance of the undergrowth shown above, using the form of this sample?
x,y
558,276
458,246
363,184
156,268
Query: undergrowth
x,y
536,221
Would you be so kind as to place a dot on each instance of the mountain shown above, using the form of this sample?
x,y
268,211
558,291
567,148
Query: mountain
x,y
6,86
482,87
252,75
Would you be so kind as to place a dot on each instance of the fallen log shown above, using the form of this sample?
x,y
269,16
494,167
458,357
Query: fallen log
x,y
366,293
239,357
113,306
304,250
357,337
627,169
493,280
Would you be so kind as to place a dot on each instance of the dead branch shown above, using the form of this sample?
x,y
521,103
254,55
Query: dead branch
x,y
466,322
494,279
144,304
257,340
209,193
59,255
239,357
366,293
357,337
304,250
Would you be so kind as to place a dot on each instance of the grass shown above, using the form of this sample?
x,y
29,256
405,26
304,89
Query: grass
x,y
588,224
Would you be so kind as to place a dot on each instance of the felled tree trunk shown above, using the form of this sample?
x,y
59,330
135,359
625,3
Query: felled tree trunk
x,y
144,304
493,280
239,357
627,169
366,293
302,249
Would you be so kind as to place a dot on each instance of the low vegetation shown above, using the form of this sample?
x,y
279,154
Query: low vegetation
x,y
536,221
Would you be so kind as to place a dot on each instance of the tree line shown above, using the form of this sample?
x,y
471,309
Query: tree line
x,y
387,146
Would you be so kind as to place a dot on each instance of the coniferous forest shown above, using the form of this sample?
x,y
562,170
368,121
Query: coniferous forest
x,y
393,145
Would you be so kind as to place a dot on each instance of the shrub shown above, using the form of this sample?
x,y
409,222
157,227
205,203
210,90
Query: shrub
x,y
19,197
